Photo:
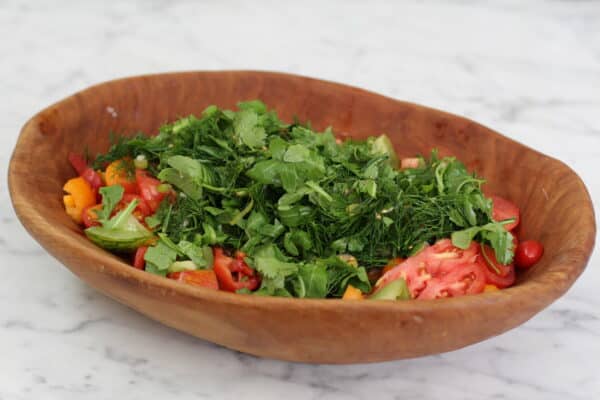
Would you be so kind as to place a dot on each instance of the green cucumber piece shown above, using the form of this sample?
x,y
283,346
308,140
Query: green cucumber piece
x,y
395,290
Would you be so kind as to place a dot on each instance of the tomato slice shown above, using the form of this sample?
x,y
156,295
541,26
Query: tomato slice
x,y
138,258
441,270
503,209
203,277
233,273
148,189
466,279
505,275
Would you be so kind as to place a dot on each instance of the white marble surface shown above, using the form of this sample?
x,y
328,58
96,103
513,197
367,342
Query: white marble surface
x,y
530,69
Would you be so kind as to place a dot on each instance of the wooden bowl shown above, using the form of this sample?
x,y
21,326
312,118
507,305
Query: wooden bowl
x,y
555,205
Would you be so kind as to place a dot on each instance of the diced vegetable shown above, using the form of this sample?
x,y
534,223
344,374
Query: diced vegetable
x,y
121,172
490,288
396,290
352,293
138,259
205,278
233,273
123,232
80,196
505,210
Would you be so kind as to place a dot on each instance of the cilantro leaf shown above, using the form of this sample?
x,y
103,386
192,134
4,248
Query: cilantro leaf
x,y
493,233
250,132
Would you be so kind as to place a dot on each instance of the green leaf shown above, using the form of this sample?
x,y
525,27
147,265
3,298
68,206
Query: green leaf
x,y
266,172
315,279
493,233
160,256
202,256
245,124
296,153
197,171
151,268
111,196
253,105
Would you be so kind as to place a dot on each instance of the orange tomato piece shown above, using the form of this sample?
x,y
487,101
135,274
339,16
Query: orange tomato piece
x,y
490,288
201,277
80,195
121,172
352,293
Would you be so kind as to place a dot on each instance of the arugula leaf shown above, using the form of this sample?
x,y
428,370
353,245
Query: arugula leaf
x,y
111,196
202,256
160,256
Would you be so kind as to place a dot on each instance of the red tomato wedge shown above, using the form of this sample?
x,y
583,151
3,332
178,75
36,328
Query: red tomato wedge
x,y
138,258
504,209
203,277
505,275
441,270
89,217
148,189
233,273
86,172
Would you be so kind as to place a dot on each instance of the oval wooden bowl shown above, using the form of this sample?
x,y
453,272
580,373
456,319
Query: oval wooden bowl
x,y
324,331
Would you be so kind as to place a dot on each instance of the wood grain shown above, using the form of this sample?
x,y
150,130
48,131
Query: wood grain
x,y
324,331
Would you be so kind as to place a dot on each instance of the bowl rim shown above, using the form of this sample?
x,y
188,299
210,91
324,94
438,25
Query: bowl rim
x,y
102,261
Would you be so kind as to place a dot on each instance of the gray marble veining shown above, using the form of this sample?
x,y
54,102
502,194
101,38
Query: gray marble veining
x,y
528,69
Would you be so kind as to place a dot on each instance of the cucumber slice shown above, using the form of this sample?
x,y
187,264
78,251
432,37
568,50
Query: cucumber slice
x,y
395,290
119,240
383,145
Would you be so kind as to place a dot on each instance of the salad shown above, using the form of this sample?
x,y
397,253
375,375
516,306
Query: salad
x,y
243,202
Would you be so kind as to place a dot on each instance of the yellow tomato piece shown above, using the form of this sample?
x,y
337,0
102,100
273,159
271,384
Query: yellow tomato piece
x,y
490,288
80,195
352,293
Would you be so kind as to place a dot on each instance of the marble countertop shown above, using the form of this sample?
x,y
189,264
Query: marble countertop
x,y
528,69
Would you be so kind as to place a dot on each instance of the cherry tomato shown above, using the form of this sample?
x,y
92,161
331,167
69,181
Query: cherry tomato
x,y
202,277
138,258
121,172
148,189
505,276
528,253
233,273
89,217
504,209
441,270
